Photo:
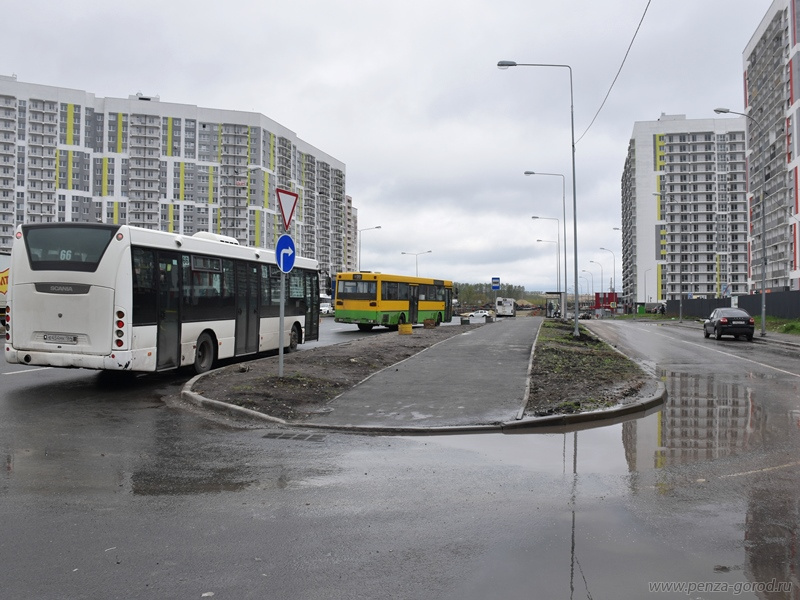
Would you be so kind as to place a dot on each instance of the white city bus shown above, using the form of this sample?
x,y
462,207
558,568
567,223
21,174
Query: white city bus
x,y
123,298
506,307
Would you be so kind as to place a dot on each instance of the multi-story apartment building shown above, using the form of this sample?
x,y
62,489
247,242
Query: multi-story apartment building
x,y
67,155
772,98
684,210
351,247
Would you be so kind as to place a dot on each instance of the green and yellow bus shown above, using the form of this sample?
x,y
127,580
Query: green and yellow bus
x,y
377,299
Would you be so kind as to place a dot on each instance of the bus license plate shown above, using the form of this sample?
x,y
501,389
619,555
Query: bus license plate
x,y
60,338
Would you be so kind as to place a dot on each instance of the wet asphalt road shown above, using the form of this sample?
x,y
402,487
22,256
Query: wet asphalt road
x,y
121,491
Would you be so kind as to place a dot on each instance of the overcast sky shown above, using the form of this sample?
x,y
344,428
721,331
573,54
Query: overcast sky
x,y
407,94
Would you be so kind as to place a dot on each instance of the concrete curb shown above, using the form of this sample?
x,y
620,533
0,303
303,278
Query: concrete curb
x,y
224,407
595,416
550,422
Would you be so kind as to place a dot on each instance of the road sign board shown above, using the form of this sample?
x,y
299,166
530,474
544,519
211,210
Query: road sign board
x,y
495,283
287,201
284,253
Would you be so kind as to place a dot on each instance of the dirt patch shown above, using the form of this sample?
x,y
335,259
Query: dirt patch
x,y
572,374
568,374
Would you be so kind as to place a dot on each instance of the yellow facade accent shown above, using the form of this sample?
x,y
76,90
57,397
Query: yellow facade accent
x,y
169,136
116,213
104,184
659,152
171,212
70,123
658,283
210,185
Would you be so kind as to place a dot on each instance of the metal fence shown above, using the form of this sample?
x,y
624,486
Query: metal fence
x,y
784,305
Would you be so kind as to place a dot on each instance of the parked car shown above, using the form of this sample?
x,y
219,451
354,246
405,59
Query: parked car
x,y
479,313
729,321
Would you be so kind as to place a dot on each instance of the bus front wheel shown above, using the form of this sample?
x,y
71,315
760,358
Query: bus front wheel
x,y
204,354
364,327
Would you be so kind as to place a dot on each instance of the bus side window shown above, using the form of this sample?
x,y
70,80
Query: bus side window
x,y
144,288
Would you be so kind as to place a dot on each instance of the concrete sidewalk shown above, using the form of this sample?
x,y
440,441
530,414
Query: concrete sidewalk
x,y
473,380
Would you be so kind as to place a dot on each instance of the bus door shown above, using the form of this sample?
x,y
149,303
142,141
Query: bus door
x,y
448,305
168,310
413,303
247,280
312,306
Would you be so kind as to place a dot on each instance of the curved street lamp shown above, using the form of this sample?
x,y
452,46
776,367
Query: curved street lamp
x,y
564,214
416,258
725,111
505,64
592,276
558,257
359,242
558,283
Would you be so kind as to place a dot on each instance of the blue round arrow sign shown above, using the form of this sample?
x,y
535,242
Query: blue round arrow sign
x,y
284,253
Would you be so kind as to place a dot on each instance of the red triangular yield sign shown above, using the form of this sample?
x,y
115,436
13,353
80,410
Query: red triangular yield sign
x,y
287,201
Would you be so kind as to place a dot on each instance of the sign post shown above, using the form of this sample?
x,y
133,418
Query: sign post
x,y
284,256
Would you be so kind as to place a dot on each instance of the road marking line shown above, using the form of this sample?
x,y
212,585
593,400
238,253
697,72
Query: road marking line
x,y
755,362
28,371
764,470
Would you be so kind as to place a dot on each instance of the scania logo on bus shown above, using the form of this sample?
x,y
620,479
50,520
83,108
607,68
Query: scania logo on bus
x,y
62,288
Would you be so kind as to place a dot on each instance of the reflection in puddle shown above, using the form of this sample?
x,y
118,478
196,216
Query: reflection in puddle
x,y
704,417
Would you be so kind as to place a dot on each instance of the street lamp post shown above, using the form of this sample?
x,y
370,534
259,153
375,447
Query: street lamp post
x,y
564,214
602,285
720,111
613,271
587,283
359,242
671,263
505,64
558,257
416,258
592,276
558,282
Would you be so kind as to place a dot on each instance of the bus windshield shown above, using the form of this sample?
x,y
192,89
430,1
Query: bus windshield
x,y
76,248
356,290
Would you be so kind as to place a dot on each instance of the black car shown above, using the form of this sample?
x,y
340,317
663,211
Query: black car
x,y
729,321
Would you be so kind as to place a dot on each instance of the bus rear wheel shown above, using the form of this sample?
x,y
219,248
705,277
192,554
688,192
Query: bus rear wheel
x,y
294,339
204,355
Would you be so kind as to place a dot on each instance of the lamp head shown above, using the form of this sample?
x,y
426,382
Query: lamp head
x,y
504,64
530,172
722,111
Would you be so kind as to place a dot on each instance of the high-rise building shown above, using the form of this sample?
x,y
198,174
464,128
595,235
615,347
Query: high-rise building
x,y
67,155
684,210
772,99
